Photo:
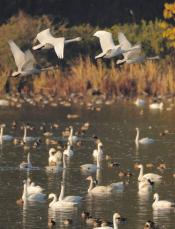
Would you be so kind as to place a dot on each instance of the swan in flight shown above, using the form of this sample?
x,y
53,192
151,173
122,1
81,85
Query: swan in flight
x,y
143,141
74,199
47,41
161,204
134,55
4,137
54,157
116,220
109,49
98,151
24,61
149,176
68,152
33,197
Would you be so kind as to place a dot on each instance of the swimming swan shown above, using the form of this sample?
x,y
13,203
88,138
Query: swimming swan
x,y
26,165
56,204
109,49
75,199
98,150
27,138
46,40
149,176
24,61
68,152
54,157
32,188
161,204
116,220
156,106
4,137
145,185
143,141
139,102
33,197
72,138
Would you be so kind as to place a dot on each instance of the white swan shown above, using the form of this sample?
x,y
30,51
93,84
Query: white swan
x,y
149,176
91,167
4,102
48,41
72,138
103,190
139,102
98,150
74,199
5,137
56,204
26,165
33,197
109,49
145,185
116,220
143,141
24,61
54,157
57,168
32,188
27,138
161,204
68,152
156,106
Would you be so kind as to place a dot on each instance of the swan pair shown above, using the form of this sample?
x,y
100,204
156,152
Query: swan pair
x,y
103,190
143,141
109,49
47,41
32,196
161,204
149,176
63,202
4,137
116,220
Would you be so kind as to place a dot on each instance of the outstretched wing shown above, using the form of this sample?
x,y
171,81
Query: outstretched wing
x,y
134,52
19,56
106,40
44,36
59,47
29,60
123,41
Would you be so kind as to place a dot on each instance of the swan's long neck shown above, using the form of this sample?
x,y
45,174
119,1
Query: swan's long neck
x,y
24,195
115,223
91,185
156,198
61,196
54,200
140,174
28,160
64,162
25,134
1,134
98,159
72,40
137,136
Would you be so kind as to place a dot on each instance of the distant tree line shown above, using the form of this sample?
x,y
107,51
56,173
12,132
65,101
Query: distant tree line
x,y
94,12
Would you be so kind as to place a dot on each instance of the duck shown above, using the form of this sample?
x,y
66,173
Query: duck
x,y
32,197
161,204
139,102
26,165
116,220
150,225
68,152
54,157
51,223
98,151
143,141
4,137
149,176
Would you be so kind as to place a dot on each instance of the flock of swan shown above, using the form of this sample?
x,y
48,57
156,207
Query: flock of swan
x,y
57,162
25,61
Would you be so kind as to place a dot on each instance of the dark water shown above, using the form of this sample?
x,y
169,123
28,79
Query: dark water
x,y
115,125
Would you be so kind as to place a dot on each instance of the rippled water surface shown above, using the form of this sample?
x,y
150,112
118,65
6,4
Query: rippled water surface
x,y
115,126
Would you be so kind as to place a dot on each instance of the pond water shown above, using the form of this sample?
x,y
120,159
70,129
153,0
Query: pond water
x,y
115,126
